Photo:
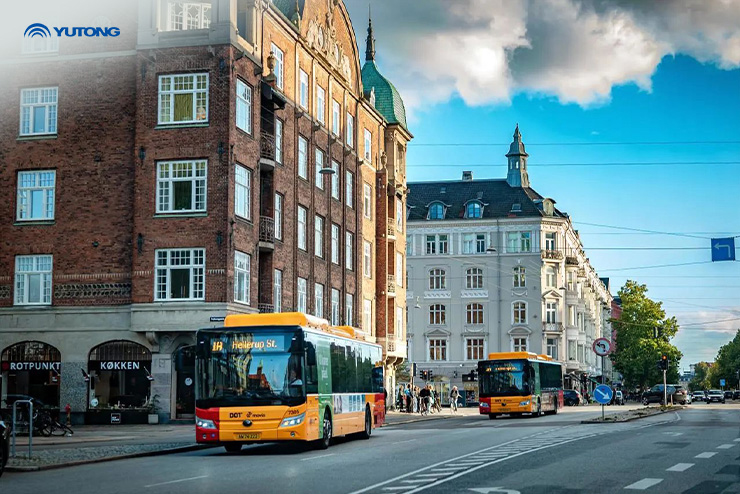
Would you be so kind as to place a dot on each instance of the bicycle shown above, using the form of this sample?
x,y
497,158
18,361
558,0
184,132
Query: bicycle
x,y
52,427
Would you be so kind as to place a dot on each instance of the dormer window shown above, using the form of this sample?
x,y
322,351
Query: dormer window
x,y
436,211
516,207
474,209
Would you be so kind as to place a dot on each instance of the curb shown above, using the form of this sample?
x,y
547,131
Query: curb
x,y
422,419
183,449
657,411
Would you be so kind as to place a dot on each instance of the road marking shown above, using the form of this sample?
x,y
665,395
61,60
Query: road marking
x,y
680,467
737,440
406,441
725,446
176,481
317,457
397,488
706,454
643,484
416,481
427,475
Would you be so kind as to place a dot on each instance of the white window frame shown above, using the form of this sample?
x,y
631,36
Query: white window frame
x,y
474,278
302,219
335,180
519,241
35,266
302,157
243,106
437,315
468,243
551,276
279,65
302,297
398,327
319,164
437,349
194,171
350,139
318,236
40,45
367,200
477,212
335,320
320,104
335,243
368,152
399,215
242,191
349,308
336,110
474,314
163,270
178,21
367,265
278,141
303,98
516,312
549,347
242,269
517,341
31,183
277,214
349,189
437,279
38,97
436,206
367,315
277,290
165,98
551,311
551,241
520,277
443,242
399,269
475,348
349,241
480,243
318,300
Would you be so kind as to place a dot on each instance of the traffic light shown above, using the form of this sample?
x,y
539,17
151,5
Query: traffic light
x,y
413,370
423,375
430,374
663,362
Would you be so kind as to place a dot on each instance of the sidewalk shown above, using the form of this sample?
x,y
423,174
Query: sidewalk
x,y
397,418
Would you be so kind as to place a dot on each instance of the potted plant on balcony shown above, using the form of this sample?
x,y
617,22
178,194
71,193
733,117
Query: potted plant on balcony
x,y
152,407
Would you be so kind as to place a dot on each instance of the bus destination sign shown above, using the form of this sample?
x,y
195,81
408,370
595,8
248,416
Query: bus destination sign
x,y
247,342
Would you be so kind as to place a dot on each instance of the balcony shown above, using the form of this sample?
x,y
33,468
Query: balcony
x,y
555,255
265,308
552,327
571,261
267,234
391,285
391,228
267,152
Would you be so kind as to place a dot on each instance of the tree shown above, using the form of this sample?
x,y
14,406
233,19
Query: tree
x,y
643,335
727,364
700,381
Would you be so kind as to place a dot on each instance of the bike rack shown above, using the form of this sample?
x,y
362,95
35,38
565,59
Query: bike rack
x,y
30,425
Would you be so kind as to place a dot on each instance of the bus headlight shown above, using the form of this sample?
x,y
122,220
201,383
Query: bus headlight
x,y
291,421
204,423
483,404
523,403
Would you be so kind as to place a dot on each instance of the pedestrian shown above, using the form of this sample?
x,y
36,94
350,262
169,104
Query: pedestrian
x,y
409,399
453,399
399,399
424,395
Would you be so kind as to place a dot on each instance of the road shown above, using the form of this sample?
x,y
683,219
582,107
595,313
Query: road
x,y
694,451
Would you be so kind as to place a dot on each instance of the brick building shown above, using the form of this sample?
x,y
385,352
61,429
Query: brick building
x,y
215,157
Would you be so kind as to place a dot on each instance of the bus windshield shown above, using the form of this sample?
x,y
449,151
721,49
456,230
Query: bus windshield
x,y
249,368
504,378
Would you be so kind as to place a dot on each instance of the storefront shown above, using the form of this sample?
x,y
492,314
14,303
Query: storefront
x,y
120,378
30,369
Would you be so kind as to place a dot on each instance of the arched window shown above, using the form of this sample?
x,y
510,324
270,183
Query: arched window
x,y
520,280
550,276
519,315
474,278
437,279
437,314
474,209
436,211
474,314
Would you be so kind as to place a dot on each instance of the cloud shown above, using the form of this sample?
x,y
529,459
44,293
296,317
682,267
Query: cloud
x,y
486,51
701,343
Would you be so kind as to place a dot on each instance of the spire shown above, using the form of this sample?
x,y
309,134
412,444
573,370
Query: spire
x,y
517,175
370,50
517,134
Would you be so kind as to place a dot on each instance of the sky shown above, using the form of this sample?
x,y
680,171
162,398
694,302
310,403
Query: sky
x,y
630,112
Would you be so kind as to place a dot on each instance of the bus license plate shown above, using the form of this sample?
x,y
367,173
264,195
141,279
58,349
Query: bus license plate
x,y
251,435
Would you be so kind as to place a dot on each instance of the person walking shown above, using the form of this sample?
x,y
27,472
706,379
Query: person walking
x,y
409,399
453,399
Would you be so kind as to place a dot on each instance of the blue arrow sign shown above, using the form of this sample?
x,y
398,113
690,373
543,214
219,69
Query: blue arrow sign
x,y
723,249
721,382
603,394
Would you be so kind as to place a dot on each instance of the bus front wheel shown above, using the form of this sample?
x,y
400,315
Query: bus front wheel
x,y
325,440
365,434
233,447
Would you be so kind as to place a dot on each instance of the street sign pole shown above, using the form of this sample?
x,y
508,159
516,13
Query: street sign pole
x,y
665,390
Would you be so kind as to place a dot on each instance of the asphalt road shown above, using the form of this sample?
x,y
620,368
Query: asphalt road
x,y
694,451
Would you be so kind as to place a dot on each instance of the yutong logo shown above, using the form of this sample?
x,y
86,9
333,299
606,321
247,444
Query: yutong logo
x,y
39,29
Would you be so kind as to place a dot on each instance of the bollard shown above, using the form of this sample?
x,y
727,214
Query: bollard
x,y
30,425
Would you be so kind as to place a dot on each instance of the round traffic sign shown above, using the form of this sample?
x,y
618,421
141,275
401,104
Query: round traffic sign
x,y
602,347
603,394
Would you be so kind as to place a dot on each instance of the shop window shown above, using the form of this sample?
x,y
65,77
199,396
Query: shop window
x,y
120,376
30,369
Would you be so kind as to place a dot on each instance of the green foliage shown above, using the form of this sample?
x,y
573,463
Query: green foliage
x,y
700,381
638,349
727,364
403,372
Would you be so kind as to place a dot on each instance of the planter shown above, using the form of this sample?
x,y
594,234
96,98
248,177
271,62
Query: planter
x,y
153,419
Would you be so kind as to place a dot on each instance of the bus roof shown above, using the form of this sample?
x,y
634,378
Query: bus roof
x,y
291,319
518,355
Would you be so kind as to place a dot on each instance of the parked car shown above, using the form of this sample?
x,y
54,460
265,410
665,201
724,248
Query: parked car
x,y
736,394
698,396
4,445
715,395
572,398
674,393
617,399
728,395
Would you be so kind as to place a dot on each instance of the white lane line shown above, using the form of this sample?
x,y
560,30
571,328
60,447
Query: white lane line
x,y
643,484
706,454
680,467
397,488
317,457
427,475
725,446
177,481
406,441
416,481
737,440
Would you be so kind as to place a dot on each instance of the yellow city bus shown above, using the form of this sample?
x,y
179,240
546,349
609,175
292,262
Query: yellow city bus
x,y
285,377
514,383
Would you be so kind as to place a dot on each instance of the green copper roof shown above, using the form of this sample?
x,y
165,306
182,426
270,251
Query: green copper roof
x,y
287,7
387,98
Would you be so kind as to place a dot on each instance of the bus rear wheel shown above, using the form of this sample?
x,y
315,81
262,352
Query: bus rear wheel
x,y
365,434
233,447
325,440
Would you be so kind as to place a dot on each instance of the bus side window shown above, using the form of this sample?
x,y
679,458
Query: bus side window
x,y
312,374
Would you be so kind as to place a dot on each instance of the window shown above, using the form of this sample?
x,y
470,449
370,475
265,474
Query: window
x,y
38,111
571,315
437,314
474,209
319,164
350,130
431,244
399,322
436,211
335,243
335,307
519,344
277,290
335,180
243,192
474,348
468,243
550,242
367,315
39,44
399,215
33,280
399,269
182,16
278,140
409,247
303,100
551,311
302,157
302,216
279,57
318,236
518,241
320,104
520,280
437,279
335,117
243,106
181,186
437,349
368,145
442,243
349,308
519,315
474,278
242,268
552,348
571,285
572,349
474,314
367,259
367,201
349,189
349,242
318,297
301,305
278,215
480,243
550,276
36,195
180,274
183,98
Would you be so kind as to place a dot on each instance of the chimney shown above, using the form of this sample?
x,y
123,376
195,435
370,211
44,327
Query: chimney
x,y
467,176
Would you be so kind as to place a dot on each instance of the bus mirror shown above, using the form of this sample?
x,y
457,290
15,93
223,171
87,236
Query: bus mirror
x,y
311,355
